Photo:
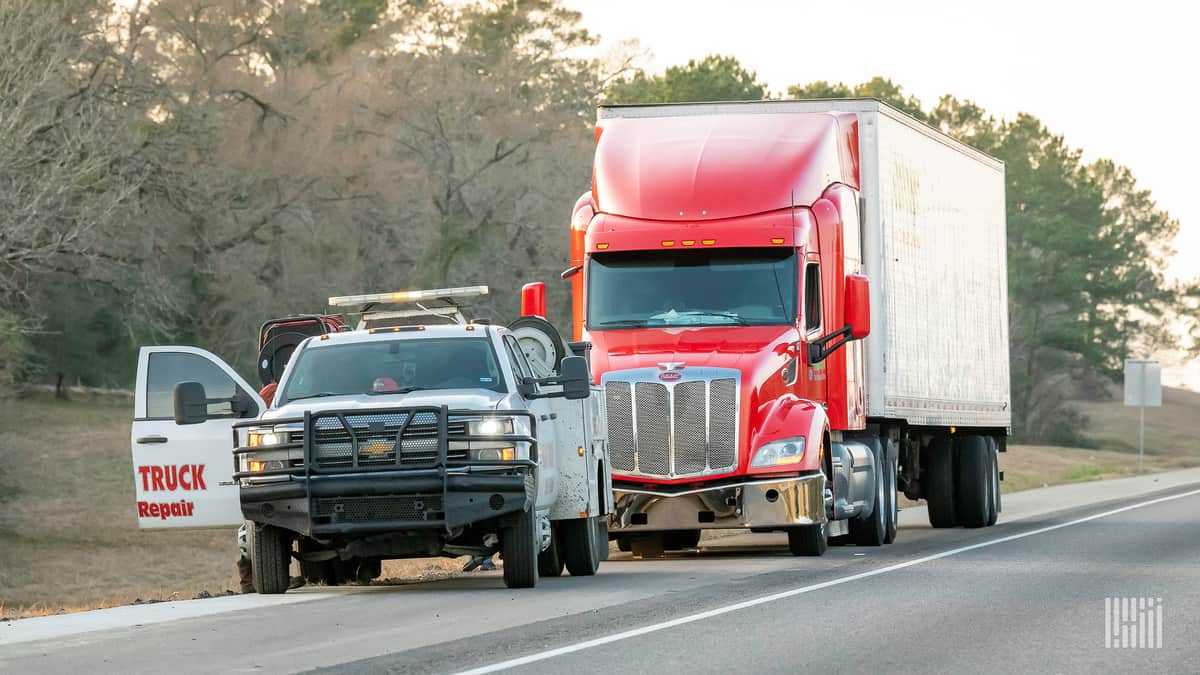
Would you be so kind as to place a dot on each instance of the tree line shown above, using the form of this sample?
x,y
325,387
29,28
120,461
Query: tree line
x,y
181,170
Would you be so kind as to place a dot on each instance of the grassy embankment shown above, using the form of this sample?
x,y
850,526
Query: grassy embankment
x,y
69,539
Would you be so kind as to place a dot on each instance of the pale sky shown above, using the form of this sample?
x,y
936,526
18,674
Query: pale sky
x,y
1119,80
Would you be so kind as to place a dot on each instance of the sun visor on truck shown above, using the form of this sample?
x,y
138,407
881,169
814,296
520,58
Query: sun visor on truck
x,y
278,338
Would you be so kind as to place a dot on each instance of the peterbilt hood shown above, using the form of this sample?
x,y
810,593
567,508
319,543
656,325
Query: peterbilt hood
x,y
740,347
455,399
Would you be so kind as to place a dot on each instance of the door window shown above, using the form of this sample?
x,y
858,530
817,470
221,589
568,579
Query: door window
x,y
167,369
812,297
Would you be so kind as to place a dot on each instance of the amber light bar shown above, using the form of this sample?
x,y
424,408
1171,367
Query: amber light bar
x,y
408,296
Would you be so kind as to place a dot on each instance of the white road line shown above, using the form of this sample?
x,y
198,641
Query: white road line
x,y
654,628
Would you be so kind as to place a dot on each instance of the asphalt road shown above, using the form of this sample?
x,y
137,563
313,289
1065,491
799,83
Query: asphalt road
x,y
1027,595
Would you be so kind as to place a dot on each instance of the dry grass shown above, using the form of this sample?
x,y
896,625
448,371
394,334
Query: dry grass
x,y
1170,430
1034,466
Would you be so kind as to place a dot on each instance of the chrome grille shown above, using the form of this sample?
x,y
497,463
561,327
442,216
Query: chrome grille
x,y
678,429
622,448
722,425
691,438
376,434
652,413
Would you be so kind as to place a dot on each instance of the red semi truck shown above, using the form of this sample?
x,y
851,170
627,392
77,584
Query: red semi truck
x,y
797,309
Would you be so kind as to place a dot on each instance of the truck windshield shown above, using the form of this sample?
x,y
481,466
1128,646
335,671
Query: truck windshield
x,y
713,287
393,367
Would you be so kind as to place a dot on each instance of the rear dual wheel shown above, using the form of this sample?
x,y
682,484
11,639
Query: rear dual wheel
x,y
581,540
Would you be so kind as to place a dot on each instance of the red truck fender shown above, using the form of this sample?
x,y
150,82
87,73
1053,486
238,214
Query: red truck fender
x,y
791,417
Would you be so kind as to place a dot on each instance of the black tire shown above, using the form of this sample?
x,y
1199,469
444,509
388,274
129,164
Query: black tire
x,y
579,548
271,559
367,570
520,546
623,543
872,530
550,562
647,545
316,571
937,483
675,540
807,540
892,494
994,493
973,482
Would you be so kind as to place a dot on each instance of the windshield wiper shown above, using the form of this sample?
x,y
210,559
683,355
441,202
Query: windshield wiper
x,y
631,323
706,312
319,394
398,390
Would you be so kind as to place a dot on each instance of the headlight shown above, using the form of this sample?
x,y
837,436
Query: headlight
x,y
491,426
259,465
493,454
779,453
259,439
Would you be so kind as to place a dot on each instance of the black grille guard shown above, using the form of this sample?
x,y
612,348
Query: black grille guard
x,y
438,465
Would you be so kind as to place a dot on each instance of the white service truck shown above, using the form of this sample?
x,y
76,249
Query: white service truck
x,y
393,440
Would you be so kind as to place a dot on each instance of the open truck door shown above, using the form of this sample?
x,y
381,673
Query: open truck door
x,y
183,473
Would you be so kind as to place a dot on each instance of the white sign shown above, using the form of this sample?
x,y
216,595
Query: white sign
x,y
1143,383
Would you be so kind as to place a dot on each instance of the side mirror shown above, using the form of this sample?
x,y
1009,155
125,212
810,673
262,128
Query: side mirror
x,y
858,306
191,403
576,380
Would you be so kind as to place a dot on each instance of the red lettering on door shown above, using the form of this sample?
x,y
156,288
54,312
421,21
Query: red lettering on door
x,y
143,510
172,477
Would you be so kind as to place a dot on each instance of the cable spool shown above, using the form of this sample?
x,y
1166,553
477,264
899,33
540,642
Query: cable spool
x,y
541,343
280,337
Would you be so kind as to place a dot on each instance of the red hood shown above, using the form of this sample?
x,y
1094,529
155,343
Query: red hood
x,y
738,347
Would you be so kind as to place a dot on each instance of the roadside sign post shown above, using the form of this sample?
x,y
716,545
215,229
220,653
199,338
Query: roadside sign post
x,y
1143,387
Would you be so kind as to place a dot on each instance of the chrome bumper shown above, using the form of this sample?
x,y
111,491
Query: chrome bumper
x,y
758,504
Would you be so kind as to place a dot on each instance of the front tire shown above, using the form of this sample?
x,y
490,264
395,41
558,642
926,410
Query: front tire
x,y
270,559
519,546
579,546
937,483
674,540
808,540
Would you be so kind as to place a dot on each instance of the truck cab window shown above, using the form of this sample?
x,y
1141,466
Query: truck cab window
x,y
166,369
812,297
517,358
